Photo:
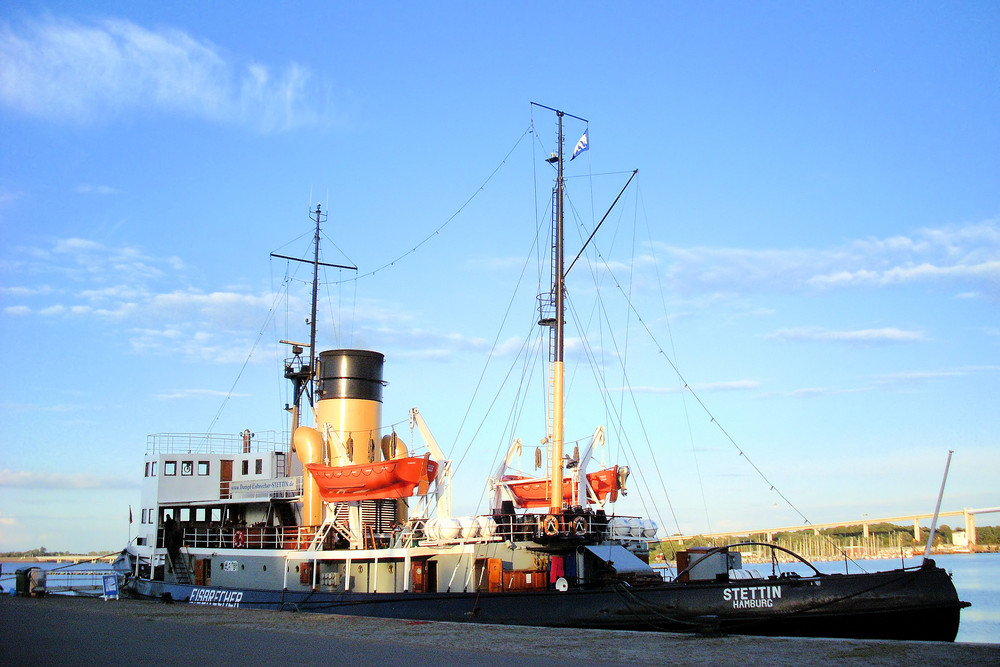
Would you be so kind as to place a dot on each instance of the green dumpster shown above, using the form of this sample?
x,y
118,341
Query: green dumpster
x,y
21,583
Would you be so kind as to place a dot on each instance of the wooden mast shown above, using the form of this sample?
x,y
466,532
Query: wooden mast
x,y
557,321
558,373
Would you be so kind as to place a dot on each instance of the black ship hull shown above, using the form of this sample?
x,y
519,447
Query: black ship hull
x,y
912,604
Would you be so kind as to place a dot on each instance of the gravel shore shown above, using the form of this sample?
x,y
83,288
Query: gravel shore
x,y
77,631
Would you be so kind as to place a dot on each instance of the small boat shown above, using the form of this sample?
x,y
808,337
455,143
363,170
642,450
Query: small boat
x,y
533,492
343,517
398,478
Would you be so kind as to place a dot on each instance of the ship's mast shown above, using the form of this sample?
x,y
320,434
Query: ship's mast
x,y
558,373
557,321
303,375
315,292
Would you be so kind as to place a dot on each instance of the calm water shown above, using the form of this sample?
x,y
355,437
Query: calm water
x,y
85,577
976,576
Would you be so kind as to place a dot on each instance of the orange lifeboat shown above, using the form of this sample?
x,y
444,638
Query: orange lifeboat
x,y
533,492
398,478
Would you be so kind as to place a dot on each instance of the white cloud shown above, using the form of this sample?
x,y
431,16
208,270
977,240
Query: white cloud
x,y
870,336
49,480
731,385
75,246
54,310
124,286
61,70
966,255
88,189
813,392
7,196
914,376
185,340
20,290
196,393
75,260
907,274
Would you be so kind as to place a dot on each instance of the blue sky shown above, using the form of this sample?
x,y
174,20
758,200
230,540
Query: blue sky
x,y
813,238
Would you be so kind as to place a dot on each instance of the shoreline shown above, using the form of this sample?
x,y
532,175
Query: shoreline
x,y
68,558
78,630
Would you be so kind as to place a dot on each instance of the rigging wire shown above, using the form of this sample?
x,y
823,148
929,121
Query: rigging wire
x,y
610,410
260,334
619,425
704,407
684,386
289,277
482,375
673,351
514,415
454,215
526,373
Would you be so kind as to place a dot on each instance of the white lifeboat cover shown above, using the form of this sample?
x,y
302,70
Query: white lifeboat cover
x,y
620,558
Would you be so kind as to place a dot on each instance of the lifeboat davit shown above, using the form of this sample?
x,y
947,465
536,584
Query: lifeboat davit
x,y
533,492
398,478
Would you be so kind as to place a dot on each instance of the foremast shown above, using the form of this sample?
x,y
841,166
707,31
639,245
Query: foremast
x,y
346,461
303,375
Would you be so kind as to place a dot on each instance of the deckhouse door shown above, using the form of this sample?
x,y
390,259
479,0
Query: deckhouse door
x,y
418,576
225,477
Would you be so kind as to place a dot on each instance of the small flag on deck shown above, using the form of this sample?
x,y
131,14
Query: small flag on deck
x,y
130,515
581,145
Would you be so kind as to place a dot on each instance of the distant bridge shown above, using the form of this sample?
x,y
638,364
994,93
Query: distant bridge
x,y
968,515
66,558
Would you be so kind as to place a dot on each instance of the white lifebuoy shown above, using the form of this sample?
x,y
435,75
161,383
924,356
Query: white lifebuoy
x,y
238,539
579,526
550,525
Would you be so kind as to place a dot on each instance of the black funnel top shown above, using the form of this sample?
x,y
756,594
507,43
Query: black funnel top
x,y
351,374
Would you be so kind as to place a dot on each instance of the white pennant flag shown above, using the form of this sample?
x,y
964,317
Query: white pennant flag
x,y
581,145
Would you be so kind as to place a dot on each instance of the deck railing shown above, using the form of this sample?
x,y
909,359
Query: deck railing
x,y
416,531
252,537
215,443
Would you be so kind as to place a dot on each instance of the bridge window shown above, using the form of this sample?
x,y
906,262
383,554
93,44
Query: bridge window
x,y
187,468
170,468
202,468
246,467
259,467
